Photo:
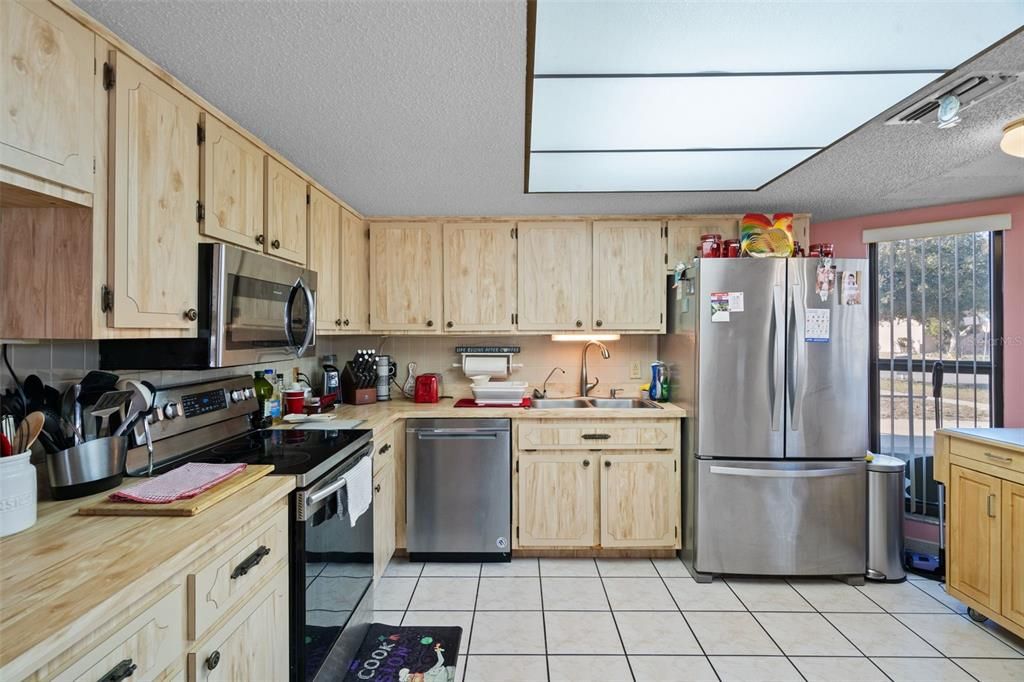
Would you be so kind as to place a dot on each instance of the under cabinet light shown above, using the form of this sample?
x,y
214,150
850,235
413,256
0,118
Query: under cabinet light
x,y
584,337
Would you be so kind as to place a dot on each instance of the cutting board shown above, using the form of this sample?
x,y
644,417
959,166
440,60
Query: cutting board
x,y
189,507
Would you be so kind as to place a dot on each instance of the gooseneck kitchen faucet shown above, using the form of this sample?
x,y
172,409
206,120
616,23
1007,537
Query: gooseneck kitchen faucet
x,y
585,386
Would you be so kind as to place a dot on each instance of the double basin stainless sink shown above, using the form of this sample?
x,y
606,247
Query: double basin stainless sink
x,y
594,403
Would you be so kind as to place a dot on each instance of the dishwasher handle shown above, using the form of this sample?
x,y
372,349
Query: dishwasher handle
x,y
458,434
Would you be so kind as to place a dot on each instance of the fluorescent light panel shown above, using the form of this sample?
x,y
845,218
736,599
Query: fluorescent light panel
x,y
712,112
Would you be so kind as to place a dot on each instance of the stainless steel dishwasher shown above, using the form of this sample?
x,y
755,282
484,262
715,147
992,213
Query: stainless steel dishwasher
x,y
458,489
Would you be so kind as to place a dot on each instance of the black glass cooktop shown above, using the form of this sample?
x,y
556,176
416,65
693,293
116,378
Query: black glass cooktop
x,y
304,454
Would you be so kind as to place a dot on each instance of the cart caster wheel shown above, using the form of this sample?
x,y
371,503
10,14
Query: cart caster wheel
x,y
976,617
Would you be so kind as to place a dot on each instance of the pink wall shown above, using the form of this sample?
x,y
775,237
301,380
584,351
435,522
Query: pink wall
x,y
846,235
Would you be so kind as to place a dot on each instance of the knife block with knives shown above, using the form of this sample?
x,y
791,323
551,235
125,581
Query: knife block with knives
x,y
357,387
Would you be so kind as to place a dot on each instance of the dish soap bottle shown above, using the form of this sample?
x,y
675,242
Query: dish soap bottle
x,y
275,395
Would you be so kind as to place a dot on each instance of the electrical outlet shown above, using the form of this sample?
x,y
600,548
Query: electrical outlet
x,y
295,375
634,370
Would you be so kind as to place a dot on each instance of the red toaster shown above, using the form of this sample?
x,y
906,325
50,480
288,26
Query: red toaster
x,y
428,388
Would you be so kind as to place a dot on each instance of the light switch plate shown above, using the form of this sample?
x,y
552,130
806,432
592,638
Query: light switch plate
x,y
634,370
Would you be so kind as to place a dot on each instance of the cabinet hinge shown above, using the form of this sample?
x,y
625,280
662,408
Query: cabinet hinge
x,y
94,66
517,466
367,233
200,212
517,532
307,200
514,233
200,134
676,534
666,258
675,466
661,317
109,77
94,164
106,299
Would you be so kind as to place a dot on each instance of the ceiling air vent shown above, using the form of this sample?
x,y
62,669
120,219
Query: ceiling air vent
x,y
970,89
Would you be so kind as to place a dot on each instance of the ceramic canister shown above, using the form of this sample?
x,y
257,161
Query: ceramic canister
x,y
17,493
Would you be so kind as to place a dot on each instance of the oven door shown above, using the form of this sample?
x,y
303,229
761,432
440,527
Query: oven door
x,y
332,575
263,309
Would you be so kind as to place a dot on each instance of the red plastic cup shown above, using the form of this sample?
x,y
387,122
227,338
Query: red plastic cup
x,y
295,400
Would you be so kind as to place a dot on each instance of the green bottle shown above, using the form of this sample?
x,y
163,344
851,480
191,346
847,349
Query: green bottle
x,y
264,391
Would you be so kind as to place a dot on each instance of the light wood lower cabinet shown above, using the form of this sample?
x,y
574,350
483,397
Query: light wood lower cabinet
x,y
383,517
984,521
639,500
974,535
252,644
557,500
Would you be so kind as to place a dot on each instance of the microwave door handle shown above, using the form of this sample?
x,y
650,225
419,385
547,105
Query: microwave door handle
x,y
288,306
310,318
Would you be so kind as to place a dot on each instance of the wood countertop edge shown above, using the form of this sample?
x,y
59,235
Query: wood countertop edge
x,y
20,657
978,438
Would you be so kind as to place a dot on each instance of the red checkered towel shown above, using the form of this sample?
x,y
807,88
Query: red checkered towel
x,y
182,483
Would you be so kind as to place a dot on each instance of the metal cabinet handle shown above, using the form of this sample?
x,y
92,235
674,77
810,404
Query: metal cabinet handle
x,y
276,244
999,458
121,671
430,323
337,322
191,314
384,448
596,436
212,660
599,323
377,487
344,323
260,239
607,464
579,323
586,463
450,324
992,505
249,563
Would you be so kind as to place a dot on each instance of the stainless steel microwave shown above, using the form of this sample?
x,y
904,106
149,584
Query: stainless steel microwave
x,y
252,309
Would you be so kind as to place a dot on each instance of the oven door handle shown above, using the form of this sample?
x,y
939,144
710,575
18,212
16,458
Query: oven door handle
x,y
308,501
326,492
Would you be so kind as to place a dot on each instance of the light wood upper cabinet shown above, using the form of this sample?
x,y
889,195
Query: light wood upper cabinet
x,y
285,211
1013,552
479,276
325,258
154,194
639,500
557,499
974,535
406,278
684,235
629,275
383,518
355,274
46,71
231,180
554,276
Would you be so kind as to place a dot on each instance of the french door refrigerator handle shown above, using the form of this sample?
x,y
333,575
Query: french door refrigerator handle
x,y
785,473
798,368
777,358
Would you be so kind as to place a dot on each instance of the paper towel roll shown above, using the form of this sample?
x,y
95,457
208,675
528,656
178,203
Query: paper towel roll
x,y
495,367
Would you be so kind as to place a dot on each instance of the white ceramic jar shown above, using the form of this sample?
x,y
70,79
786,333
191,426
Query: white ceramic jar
x,y
17,493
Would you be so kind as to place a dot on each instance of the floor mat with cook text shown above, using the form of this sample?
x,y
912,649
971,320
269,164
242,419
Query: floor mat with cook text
x,y
391,653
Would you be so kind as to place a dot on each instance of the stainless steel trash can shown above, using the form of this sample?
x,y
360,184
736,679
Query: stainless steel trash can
x,y
886,483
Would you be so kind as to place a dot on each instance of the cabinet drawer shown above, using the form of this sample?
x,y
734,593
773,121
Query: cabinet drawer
x,y
228,579
989,454
152,642
645,434
252,644
384,447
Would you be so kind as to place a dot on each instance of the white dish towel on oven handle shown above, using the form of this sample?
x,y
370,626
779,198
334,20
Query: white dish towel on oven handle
x,y
358,489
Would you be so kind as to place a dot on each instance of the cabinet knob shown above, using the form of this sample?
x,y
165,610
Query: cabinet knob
x,y
450,324
430,323
260,239
579,323
586,463
276,244
599,323
337,322
344,323
377,487
213,660
191,314
607,464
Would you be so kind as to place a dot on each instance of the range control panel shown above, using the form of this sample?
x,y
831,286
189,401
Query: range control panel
x,y
195,404
187,407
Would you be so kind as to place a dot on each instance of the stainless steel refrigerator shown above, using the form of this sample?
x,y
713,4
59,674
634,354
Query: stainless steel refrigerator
x,y
770,358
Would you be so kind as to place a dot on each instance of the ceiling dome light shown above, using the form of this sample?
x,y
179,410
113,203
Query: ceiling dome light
x,y
949,109
1013,138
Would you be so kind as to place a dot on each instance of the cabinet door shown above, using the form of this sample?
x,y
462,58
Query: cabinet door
x,y
253,643
639,500
325,258
405,277
629,275
684,235
154,195
231,178
1013,552
557,500
479,276
46,67
286,226
355,273
974,535
554,276
383,518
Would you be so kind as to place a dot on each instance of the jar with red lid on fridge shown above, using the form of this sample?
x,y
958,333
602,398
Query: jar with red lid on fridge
x,y
711,246
731,248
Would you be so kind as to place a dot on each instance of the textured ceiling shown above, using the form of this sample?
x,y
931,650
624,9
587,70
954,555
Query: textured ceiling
x,y
417,108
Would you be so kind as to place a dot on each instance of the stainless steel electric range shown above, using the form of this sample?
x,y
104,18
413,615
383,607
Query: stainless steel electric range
x,y
331,558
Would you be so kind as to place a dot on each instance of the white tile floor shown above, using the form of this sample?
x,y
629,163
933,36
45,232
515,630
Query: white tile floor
x,y
635,619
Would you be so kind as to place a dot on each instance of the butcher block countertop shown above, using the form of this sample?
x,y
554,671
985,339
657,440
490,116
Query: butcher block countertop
x,y
384,414
63,577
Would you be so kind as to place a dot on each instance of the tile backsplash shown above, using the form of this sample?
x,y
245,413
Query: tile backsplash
x,y
60,363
